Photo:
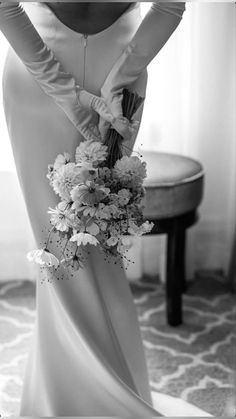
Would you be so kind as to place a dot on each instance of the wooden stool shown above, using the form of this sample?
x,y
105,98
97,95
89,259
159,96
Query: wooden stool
x,y
174,190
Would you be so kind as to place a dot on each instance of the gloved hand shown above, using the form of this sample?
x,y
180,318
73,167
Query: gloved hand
x,y
97,104
40,61
121,124
153,32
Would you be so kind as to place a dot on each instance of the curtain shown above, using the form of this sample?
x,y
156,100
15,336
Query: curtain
x,y
190,110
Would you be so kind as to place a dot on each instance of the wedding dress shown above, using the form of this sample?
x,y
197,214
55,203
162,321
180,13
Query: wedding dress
x,y
86,357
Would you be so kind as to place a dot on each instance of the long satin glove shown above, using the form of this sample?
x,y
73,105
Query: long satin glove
x,y
77,103
155,29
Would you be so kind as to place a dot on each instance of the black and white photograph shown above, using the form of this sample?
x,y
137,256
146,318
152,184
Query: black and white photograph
x,y
118,209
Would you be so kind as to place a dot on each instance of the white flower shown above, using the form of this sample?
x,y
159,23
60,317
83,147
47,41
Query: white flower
x,y
61,216
74,221
107,211
83,239
102,211
130,169
86,165
89,211
89,193
124,244
102,224
92,228
114,211
114,230
91,151
112,241
133,228
88,172
43,257
136,230
50,173
147,227
61,160
123,196
64,180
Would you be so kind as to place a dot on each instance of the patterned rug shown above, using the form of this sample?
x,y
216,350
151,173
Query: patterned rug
x,y
194,361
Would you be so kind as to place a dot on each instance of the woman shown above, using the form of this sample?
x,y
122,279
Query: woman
x,y
62,80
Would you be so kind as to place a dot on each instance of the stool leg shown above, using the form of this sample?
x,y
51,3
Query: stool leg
x,y
180,259
173,276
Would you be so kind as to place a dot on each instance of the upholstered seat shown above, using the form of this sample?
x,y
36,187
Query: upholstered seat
x,y
174,184
174,190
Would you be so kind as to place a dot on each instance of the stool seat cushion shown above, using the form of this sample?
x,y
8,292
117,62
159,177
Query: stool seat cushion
x,y
174,184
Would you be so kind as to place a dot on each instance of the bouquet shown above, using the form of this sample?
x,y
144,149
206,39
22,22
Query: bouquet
x,y
101,194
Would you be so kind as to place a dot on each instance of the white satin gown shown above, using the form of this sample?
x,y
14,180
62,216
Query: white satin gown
x,y
87,356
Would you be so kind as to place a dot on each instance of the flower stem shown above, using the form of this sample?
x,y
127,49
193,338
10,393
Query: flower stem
x,y
49,235
63,253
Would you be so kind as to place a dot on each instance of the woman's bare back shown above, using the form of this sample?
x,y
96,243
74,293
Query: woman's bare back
x,y
89,18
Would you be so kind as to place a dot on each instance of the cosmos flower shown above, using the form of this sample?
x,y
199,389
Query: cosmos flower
x,y
89,193
83,239
61,216
43,257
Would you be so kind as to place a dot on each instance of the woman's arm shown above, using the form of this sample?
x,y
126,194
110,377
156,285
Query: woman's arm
x,y
48,71
155,29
